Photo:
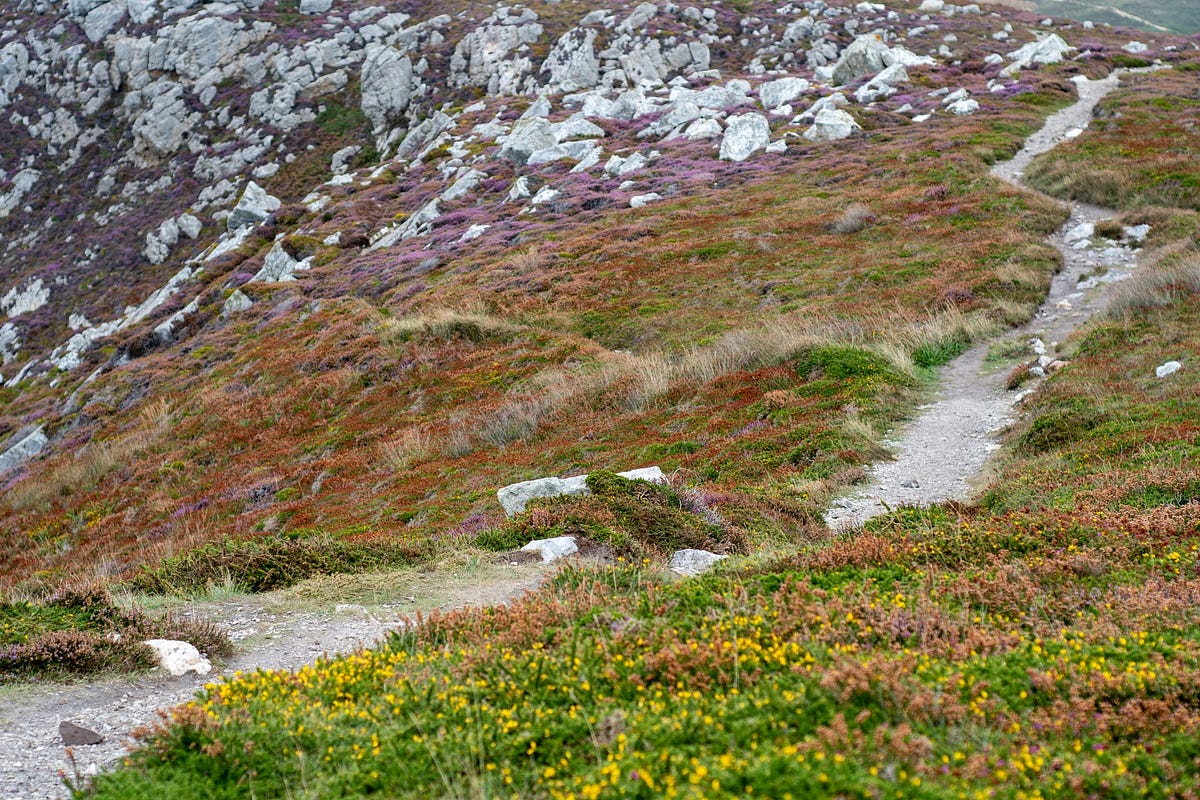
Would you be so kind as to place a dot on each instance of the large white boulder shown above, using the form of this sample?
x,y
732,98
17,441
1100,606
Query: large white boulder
x,y
745,134
830,125
552,549
693,562
254,206
179,658
773,94
515,496
1047,50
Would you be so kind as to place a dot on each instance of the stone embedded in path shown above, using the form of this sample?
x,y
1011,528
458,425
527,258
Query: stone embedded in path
x,y
693,562
76,735
1169,368
514,497
179,658
552,549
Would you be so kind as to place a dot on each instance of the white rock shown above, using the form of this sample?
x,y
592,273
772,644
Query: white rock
x,y
693,562
1135,47
703,129
474,232
179,658
279,267
22,446
745,134
640,200
931,6
237,302
1169,368
315,6
776,147
515,496
1079,233
830,125
778,92
962,108
16,302
1049,49
552,549
1136,233
254,206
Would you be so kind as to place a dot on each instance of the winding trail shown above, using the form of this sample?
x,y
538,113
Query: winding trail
x,y
937,456
941,452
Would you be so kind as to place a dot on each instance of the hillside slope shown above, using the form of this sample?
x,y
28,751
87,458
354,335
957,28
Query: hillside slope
x,y
471,300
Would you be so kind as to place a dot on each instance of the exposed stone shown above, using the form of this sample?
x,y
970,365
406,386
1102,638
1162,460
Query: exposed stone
x,y
552,549
236,303
22,446
1169,368
73,735
387,85
745,134
962,108
279,267
693,562
1050,49
784,90
514,497
572,64
831,125
179,658
254,206
641,200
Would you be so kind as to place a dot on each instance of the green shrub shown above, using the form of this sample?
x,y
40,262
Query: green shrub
x,y
262,565
636,518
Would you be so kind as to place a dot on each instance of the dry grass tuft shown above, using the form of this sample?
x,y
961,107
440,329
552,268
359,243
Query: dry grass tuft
x,y
853,219
1156,285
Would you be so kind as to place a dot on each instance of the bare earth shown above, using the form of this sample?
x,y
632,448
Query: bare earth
x,y
940,453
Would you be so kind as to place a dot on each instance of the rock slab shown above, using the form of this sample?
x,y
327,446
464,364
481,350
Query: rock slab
x,y
514,497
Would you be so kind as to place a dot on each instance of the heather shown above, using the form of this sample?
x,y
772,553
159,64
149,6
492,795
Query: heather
x,y
80,631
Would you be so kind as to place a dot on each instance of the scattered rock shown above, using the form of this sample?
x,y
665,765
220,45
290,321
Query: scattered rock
x,y
552,549
745,134
179,658
1169,368
236,303
22,446
640,200
515,496
830,125
254,206
76,735
693,562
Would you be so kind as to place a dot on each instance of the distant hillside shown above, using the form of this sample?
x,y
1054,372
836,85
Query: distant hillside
x,y
1178,16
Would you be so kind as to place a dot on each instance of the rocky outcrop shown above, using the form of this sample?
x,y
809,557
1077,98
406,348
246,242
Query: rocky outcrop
x,y
514,497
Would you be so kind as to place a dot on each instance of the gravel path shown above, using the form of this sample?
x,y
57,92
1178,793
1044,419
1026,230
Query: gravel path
x,y
268,636
940,453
